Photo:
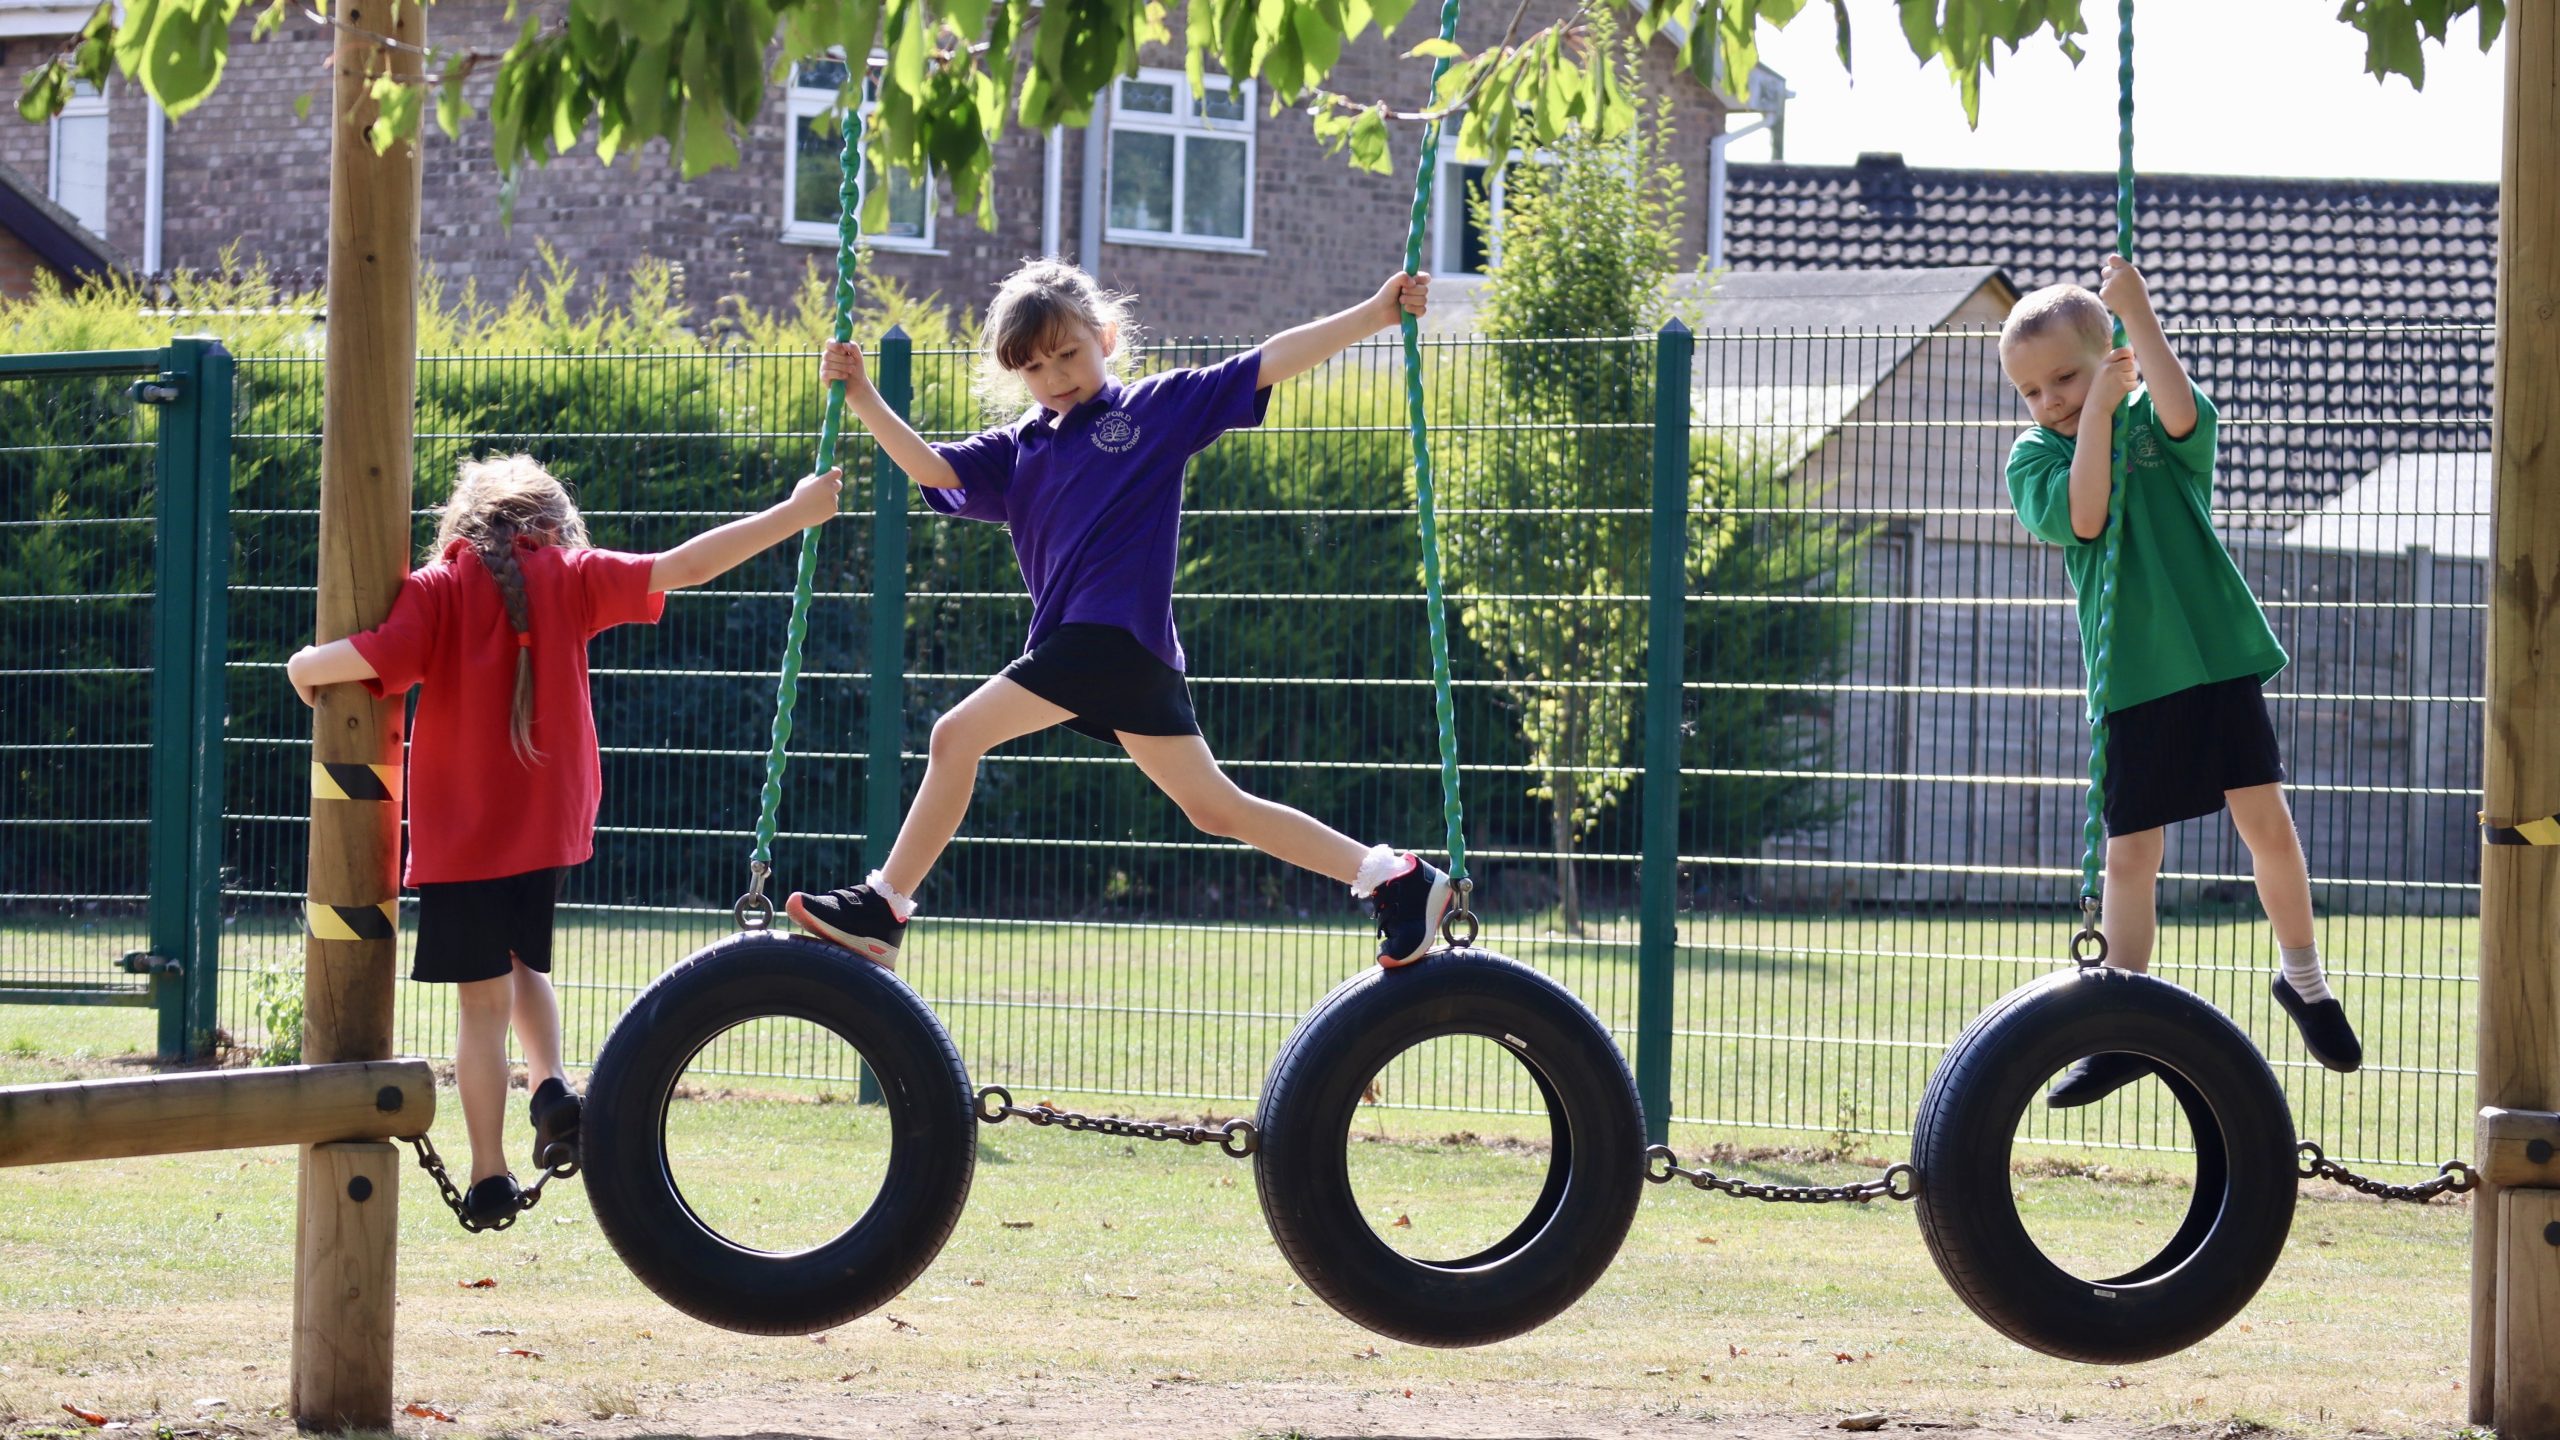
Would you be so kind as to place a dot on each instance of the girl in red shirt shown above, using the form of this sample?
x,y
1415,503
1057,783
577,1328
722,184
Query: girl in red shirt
x,y
495,627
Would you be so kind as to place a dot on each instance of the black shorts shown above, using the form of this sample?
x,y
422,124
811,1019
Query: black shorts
x,y
476,929
1109,680
2172,758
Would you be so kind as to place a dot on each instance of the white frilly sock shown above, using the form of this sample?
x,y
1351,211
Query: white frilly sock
x,y
1377,867
899,905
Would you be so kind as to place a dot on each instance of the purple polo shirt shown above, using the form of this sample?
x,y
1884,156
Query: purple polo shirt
x,y
1094,500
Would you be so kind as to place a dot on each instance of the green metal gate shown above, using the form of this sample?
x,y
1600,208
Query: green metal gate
x,y
115,496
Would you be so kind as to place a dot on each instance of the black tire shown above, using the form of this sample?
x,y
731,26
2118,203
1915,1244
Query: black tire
x,y
1595,1171
2245,1183
932,1148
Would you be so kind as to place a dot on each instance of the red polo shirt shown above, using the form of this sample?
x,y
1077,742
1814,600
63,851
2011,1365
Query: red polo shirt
x,y
476,810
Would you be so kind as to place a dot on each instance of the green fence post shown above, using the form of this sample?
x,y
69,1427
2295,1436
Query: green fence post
x,y
206,392
173,636
883,785
1668,583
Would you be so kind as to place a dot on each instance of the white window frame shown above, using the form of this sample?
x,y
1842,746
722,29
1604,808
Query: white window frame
x,y
85,104
1186,121
1448,228
805,102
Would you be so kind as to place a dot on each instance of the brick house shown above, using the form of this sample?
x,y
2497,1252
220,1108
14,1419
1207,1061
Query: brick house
x,y
1223,218
38,236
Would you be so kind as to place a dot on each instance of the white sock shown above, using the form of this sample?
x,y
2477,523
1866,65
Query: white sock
x,y
1377,867
899,905
2302,972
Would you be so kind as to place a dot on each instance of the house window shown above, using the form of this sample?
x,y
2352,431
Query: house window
x,y
1181,169
1461,245
815,173
77,173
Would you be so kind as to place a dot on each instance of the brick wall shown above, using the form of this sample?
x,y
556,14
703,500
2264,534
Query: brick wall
x,y
19,266
243,171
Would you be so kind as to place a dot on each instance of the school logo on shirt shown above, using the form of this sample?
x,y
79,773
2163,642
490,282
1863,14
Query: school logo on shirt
x,y
1115,432
2146,446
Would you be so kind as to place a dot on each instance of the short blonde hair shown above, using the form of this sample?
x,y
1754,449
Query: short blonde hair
x,y
2059,307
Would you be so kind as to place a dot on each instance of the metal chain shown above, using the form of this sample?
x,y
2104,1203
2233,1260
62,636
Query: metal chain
x,y
1237,1138
433,1164
1899,1182
2453,1177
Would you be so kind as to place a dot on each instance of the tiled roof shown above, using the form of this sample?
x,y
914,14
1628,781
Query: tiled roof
x,y
2358,306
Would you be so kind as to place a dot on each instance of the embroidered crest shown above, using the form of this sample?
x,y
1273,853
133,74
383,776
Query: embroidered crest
x,y
1115,432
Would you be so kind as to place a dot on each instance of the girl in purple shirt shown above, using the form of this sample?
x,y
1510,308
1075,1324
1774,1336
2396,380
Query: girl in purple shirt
x,y
1089,480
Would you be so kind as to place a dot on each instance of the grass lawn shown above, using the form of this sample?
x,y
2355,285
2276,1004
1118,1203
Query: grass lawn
x,y
1101,1287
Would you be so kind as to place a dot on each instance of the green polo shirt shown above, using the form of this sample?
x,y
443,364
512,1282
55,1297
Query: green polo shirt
x,y
2184,617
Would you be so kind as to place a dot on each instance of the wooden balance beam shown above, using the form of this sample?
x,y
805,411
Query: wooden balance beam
x,y
215,1110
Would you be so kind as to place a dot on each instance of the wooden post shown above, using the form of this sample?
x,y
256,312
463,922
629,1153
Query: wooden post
x,y
2519,1052
2527,1402
343,1262
342,1291
215,1110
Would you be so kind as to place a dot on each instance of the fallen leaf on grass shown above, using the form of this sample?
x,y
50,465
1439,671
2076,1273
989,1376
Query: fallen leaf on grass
x,y
1864,1420
1843,1357
896,1325
527,1354
976,1284
1657,1370
2115,1382
87,1417
1369,1354
1404,1222
493,1330
1706,1239
1733,1351
1017,1224
1107,1225
425,1412
483,1283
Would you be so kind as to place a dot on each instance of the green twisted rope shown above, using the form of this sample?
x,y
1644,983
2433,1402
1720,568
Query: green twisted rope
x,y
787,694
1422,478
2102,654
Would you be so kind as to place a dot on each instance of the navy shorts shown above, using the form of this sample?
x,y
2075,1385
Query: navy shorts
x,y
1110,681
477,929
2172,758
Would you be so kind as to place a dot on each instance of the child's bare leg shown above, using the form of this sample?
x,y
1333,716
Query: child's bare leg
x,y
1186,772
994,713
2131,916
480,1070
2265,824
537,1024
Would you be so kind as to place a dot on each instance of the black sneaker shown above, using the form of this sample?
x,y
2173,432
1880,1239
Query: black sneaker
x,y
555,1112
2087,1081
493,1201
2325,1031
1409,908
856,919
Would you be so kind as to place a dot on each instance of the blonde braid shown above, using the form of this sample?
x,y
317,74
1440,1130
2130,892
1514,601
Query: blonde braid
x,y
495,501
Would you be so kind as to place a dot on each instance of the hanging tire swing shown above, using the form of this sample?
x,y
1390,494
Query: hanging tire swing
x,y
2245,1180
1595,1167
756,975
640,1203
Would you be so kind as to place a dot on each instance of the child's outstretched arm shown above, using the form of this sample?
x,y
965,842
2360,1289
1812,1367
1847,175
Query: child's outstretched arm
x,y
1299,350
336,663
2173,396
913,452
716,552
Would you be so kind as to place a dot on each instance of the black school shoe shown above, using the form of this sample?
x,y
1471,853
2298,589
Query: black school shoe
x,y
857,919
2325,1031
493,1201
555,1114
2087,1081
1409,908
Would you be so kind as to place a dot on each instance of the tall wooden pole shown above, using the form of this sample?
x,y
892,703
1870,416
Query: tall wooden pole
x,y
2520,885
348,1196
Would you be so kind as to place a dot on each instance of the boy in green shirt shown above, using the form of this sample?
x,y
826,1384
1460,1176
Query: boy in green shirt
x,y
2187,726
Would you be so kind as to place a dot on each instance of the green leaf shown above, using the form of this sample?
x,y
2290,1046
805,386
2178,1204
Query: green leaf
x,y
1369,142
47,87
644,90
302,106
1319,42
968,17
1436,48
270,20
707,145
1389,13
398,103
651,22
184,57
453,110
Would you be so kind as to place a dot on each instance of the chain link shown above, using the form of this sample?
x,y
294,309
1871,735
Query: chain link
x,y
1237,1138
433,1164
1899,1182
2453,1177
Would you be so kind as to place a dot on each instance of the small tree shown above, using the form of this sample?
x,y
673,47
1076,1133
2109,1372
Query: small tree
x,y
1556,490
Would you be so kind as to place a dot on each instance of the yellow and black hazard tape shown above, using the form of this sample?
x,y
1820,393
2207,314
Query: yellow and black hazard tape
x,y
351,922
2545,831
334,780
